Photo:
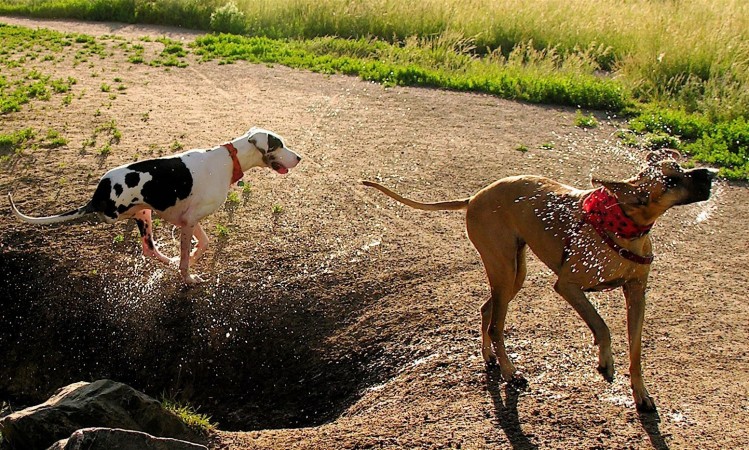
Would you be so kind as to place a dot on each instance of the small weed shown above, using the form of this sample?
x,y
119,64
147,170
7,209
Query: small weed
x,y
118,239
276,208
628,138
661,140
54,139
176,146
115,135
118,80
144,117
105,87
583,121
522,148
105,150
246,188
547,146
233,197
121,87
16,141
222,230
200,423
67,100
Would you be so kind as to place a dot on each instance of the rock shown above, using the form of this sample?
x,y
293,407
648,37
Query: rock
x,y
103,403
115,438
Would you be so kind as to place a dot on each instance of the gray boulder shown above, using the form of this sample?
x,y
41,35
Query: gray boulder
x,y
103,403
114,438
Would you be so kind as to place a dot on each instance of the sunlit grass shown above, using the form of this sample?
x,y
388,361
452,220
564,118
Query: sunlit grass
x,y
198,422
679,68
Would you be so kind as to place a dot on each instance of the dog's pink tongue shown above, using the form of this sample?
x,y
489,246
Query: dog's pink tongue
x,y
282,170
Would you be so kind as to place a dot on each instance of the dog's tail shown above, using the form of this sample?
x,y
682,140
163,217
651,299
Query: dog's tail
x,y
454,205
74,214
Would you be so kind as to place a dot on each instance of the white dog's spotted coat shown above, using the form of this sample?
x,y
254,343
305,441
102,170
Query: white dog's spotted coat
x,y
182,189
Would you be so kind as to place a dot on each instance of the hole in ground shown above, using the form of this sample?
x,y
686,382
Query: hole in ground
x,y
249,354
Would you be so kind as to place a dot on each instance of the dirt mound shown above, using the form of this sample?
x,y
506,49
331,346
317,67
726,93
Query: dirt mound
x,y
330,306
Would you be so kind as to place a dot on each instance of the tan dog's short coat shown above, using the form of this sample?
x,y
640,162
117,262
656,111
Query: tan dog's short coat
x,y
529,211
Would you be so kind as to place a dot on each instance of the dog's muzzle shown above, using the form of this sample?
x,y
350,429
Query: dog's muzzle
x,y
699,183
278,167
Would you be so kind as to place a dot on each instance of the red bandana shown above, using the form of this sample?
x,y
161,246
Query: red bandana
x,y
237,173
602,210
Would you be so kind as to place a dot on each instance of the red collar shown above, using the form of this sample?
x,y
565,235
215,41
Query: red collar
x,y
237,172
602,210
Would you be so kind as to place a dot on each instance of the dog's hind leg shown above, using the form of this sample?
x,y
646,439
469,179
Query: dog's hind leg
x,y
577,299
145,226
504,262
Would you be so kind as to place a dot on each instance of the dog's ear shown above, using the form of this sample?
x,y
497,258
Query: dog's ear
x,y
659,155
626,193
274,142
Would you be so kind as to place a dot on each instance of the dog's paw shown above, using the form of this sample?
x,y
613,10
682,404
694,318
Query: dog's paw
x,y
607,372
518,381
193,279
646,404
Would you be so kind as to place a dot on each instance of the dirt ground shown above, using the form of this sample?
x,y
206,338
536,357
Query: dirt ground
x,y
385,296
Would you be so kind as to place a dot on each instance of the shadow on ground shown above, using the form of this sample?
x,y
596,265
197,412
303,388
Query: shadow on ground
x,y
251,355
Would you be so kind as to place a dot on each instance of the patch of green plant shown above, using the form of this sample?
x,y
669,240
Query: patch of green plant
x,y
176,146
200,423
583,121
109,128
15,141
118,239
232,197
423,63
53,139
660,140
105,87
721,143
547,146
522,148
726,145
228,19
628,138
105,150
222,230
277,208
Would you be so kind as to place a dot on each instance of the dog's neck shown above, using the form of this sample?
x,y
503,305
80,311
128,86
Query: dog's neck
x,y
602,210
247,154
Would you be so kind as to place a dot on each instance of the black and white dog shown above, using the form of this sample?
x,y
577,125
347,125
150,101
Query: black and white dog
x,y
182,189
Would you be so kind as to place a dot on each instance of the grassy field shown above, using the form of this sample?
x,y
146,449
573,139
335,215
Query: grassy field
x,y
678,68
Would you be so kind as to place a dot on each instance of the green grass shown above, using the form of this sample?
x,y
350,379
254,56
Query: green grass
x,y
676,69
199,423
583,121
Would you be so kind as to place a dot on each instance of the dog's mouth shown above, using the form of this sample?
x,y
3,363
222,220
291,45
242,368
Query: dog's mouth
x,y
280,168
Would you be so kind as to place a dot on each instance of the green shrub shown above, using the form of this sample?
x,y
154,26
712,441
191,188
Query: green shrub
x,y
228,19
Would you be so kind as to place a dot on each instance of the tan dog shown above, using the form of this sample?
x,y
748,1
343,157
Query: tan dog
x,y
592,239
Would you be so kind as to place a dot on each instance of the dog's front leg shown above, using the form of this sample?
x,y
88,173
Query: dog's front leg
x,y
577,299
201,246
634,293
185,247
